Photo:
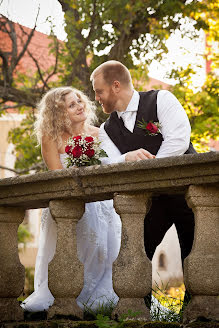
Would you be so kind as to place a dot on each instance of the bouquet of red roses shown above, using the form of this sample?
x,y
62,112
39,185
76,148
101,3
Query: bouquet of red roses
x,y
83,151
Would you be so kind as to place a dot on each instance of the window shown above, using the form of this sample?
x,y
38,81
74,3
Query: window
x,y
162,262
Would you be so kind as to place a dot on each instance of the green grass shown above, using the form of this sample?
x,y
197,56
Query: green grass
x,y
102,308
172,299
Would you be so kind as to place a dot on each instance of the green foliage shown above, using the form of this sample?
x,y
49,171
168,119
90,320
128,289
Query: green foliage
x,y
23,234
123,30
104,309
28,285
29,281
105,322
27,151
201,106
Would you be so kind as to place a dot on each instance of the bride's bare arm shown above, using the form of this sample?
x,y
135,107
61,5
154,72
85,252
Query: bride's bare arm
x,y
50,153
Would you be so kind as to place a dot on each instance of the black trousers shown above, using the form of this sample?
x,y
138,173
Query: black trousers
x,y
166,210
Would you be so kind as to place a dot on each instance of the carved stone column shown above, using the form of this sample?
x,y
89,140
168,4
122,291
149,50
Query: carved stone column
x,y
65,270
132,271
201,266
12,272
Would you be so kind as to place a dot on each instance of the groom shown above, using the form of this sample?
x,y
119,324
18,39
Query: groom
x,y
125,141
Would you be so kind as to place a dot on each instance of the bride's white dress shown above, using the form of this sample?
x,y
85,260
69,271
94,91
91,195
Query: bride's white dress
x,y
98,244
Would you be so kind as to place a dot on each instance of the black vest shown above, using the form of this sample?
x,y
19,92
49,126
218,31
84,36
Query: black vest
x,y
127,141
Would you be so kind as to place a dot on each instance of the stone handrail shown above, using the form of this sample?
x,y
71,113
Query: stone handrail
x,y
131,185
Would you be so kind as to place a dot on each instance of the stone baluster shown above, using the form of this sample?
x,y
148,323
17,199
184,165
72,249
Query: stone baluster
x,y
12,272
132,271
201,266
65,270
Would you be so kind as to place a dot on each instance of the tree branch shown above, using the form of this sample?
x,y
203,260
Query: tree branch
x,y
13,37
56,61
38,167
12,58
10,107
65,6
28,39
28,98
45,85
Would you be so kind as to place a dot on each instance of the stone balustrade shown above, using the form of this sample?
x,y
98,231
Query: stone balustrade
x,y
131,185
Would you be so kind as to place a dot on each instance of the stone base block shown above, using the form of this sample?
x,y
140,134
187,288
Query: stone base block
x,y
133,304
65,307
202,306
10,310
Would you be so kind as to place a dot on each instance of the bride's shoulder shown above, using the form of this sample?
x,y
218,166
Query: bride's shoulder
x,y
47,140
94,131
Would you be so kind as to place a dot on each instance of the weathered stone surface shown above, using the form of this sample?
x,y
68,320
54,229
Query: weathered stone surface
x,y
93,324
11,270
132,271
65,270
36,190
169,175
202,306
100,182
161,174
201,266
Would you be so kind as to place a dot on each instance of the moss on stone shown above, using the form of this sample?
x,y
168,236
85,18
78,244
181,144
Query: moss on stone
x,y
91,324
199,324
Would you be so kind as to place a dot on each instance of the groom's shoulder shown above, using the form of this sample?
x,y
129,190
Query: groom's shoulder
x,y
149,93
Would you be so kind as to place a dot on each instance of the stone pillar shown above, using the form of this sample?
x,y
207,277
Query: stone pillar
x,y
65,270
12,272
201,266
132,271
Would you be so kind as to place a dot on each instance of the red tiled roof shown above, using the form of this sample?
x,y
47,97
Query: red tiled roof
x,y
39,47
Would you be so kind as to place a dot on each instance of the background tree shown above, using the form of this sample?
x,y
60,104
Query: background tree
x,y
97,30
202,105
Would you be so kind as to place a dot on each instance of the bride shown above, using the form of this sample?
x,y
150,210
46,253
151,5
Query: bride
x,y
66,112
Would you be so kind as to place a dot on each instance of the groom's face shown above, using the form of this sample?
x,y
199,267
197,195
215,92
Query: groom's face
x,y
104,94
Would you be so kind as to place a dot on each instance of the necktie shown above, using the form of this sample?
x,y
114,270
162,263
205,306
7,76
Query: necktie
x,y
126,117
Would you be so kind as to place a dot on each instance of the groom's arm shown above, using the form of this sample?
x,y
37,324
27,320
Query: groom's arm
x,y
114,153
175,126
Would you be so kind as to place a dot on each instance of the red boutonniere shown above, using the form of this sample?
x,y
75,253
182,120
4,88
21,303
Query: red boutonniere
x,y
151,128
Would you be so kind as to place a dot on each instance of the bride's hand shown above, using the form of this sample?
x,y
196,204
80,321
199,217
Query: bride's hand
x,y
138,155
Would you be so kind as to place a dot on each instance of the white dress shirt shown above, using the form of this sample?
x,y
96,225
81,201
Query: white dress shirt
x,y
175,127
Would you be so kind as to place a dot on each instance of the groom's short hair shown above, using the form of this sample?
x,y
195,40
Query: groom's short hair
x,y
113,70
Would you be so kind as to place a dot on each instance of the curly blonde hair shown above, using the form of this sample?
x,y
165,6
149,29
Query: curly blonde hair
x,y
53,119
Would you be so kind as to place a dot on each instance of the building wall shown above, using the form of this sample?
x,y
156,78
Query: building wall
x,y
166,262
7,159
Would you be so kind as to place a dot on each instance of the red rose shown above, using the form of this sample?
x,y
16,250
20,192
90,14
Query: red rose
x,y
77,151
89,139
77,139
152,128
68,149
89,152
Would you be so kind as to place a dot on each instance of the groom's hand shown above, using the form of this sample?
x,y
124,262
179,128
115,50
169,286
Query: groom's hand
x,y
138,155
